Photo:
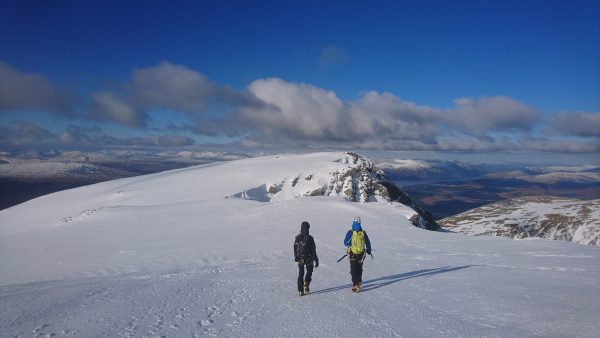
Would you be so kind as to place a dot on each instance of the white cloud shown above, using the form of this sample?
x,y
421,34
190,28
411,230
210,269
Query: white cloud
x,y
276,112
296,109
20,133
171,86
20,90
497,113
305,113
386,116
107,106
160,140
576,123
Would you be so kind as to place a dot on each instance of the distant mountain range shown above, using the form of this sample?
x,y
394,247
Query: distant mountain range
x,y
102,165
534,216
447,188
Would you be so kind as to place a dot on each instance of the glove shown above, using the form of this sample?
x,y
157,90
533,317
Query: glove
x,y
300,261
316,263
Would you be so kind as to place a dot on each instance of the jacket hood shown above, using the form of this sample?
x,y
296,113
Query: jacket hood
x,y
304,228
356,226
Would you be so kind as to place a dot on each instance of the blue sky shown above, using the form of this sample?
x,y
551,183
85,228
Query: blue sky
x,y
427,75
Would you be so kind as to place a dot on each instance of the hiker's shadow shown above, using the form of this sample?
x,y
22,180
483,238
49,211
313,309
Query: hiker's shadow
x,y
376,283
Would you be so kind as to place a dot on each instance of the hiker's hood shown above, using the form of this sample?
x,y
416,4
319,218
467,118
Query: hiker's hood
x,y
304,228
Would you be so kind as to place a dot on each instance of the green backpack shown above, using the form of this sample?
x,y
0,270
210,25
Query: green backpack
x,y
357,245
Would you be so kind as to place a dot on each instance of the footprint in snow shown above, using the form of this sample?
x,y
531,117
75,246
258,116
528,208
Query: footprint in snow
x,y
205,322
82,215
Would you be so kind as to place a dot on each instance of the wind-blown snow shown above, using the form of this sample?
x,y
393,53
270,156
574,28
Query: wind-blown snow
x,y
176,254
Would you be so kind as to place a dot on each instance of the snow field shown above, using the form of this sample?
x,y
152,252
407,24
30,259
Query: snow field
x,y
169,255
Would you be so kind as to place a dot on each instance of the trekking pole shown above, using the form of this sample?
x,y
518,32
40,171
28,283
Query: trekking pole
x,y
342,257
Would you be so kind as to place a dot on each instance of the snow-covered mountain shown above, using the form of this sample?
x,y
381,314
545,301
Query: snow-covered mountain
x,y
533,216
207,250
352,177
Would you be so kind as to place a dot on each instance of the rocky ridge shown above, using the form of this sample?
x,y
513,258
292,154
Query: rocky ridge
x,y
546,217
359,181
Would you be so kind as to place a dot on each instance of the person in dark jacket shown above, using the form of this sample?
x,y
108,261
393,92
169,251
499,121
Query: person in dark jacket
x,y
357,243
305,254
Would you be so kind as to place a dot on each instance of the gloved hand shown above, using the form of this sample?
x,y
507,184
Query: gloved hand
x,y
301,261
316,263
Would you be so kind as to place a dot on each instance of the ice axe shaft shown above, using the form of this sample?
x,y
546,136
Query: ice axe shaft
x,y
342,257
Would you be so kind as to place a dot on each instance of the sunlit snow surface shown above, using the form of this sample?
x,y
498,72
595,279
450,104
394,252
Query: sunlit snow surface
x,y
176,254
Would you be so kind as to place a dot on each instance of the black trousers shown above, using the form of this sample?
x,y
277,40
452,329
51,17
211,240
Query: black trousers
x,y
356,267
302,278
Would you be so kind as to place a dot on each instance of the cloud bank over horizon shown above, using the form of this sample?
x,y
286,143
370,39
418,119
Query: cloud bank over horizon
x,y
275,112
26,134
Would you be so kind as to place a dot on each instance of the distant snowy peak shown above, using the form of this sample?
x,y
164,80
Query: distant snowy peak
x,y
409,165
548,178
36,169
353,177
558,177
102,165
536,216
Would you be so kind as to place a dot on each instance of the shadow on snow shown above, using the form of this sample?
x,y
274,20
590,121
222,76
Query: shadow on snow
x,y
376,283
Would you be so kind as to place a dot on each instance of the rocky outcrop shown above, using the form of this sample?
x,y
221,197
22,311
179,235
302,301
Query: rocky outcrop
x,y
359,181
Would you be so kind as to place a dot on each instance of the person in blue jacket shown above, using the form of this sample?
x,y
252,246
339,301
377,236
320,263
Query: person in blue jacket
x,y
357,243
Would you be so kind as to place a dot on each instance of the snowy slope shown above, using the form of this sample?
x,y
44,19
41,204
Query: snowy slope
x,y
202,251
535,216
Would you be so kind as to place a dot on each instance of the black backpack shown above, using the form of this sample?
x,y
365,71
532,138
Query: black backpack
x,y
301,247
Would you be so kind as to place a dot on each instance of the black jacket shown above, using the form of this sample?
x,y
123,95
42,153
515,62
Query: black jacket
x,y
304,245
